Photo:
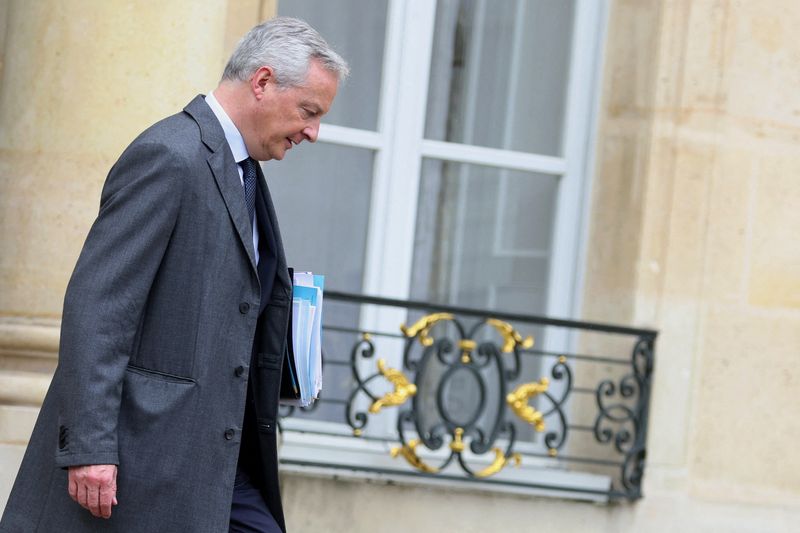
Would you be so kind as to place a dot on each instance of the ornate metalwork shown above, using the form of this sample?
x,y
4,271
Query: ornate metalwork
x,y
500,461
403,389
512,337
465,402
474,430
421,328
409,452
518,401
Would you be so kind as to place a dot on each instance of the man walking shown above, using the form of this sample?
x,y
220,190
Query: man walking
x,y
161,415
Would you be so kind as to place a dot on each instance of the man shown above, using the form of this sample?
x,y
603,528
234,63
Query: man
x,y
164,404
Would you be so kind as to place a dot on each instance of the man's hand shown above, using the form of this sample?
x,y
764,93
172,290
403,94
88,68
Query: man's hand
x,y
94,487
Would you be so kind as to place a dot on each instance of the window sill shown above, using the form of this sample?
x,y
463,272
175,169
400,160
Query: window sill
x,y
342,456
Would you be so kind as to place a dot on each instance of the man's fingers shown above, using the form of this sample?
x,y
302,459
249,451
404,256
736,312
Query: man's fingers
x,y
106,498
114,494
72,488
93,497
94,487
82,499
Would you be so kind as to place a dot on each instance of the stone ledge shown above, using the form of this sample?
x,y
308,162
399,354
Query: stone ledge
x,y
23,388
20,337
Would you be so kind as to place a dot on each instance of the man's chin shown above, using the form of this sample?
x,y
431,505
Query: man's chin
x,y
278,154
270,156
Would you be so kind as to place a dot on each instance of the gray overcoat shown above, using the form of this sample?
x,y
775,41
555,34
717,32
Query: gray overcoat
x,y
159,316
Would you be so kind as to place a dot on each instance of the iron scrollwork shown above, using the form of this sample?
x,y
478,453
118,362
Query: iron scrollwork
x,y
622,416
439,359
464,402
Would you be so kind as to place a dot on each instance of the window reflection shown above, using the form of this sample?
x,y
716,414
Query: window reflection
x,y
499,74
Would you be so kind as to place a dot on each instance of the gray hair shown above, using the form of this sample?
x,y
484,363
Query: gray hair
x,y
287,45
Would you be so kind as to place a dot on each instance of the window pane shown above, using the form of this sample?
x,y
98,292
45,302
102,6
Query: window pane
x,y
356,29
499,73
321,195
483,237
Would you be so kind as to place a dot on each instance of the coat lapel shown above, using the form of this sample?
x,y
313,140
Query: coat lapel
x,y
223,167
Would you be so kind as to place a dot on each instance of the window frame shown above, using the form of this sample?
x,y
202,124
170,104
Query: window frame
x,y
400,147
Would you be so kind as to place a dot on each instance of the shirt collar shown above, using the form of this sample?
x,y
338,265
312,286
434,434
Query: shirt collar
x,y
232,135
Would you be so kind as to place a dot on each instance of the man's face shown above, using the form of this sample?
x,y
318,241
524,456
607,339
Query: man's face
x,y
283,117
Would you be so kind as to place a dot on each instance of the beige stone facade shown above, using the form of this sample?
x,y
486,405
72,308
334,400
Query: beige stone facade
x,y
693,231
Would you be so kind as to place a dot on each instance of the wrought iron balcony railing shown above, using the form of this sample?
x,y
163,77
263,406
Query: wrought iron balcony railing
x,y
464,394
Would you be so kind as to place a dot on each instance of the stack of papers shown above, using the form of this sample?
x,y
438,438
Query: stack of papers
x,y
306,336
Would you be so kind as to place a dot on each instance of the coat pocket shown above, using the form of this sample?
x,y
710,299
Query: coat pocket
x,y
157,429
163,376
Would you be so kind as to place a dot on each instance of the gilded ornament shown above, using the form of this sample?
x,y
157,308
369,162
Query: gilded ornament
x,y
500,461
422,327
467,347
511,336
403,388
518,401
408,451
457,445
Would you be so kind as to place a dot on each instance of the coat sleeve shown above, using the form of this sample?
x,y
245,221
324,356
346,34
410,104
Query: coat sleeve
x,y
106,297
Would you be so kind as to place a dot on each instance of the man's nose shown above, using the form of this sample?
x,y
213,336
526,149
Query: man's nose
x,y
311,132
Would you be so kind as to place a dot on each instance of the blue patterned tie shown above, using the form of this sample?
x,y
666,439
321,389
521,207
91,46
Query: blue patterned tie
x,y
249,177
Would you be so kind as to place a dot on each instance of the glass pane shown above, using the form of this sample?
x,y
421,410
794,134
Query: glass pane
x,y
483,237
356,29
499,74
321,195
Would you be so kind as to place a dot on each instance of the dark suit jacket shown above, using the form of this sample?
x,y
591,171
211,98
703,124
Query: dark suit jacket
x,y
157,338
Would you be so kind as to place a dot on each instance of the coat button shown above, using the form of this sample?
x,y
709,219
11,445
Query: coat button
x,y
244,307
229,434
239,371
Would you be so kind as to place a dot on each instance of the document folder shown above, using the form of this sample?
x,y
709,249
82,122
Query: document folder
x,y
302,372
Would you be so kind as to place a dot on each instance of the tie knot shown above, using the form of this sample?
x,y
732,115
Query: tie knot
x,y
249,167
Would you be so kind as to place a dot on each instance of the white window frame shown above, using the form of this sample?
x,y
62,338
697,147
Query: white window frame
x,y
399,147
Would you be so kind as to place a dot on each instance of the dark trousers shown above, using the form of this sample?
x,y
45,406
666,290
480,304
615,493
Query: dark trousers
x,y
249,513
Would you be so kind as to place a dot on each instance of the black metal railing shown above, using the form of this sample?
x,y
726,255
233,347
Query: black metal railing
x,y
470,393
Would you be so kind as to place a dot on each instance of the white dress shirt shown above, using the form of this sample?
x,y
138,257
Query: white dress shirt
x,y
238,148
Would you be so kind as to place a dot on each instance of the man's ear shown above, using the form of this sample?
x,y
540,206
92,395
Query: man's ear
x,y
260,81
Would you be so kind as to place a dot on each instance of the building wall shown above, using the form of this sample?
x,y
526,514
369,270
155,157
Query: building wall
x,y
693,232
697,189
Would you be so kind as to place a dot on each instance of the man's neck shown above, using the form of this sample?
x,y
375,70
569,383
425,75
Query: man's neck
x,y
226,94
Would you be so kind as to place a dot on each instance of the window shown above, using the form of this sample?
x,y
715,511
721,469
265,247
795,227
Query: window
x,y
452,167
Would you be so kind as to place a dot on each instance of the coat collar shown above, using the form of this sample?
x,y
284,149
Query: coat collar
x,y
225,172
223,166
211,132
